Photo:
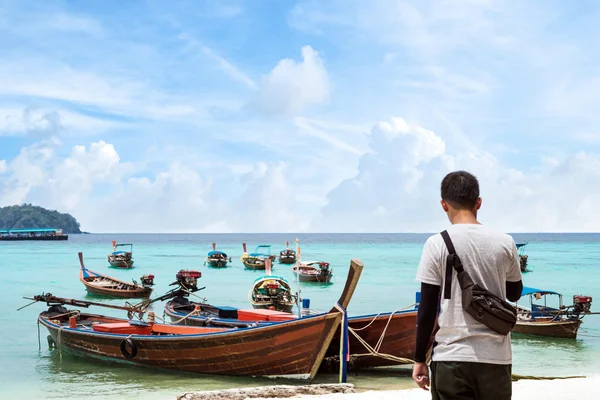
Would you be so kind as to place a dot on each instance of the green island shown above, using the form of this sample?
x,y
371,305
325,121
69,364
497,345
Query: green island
x,y
27,216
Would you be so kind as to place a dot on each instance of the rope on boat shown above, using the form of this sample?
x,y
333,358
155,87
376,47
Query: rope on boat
x,y
196,312
39,340
375,351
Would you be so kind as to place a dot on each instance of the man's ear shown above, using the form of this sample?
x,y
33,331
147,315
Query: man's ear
x,y
478,204
444,205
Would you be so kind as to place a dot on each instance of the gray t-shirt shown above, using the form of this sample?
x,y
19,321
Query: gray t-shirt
x,y
491,259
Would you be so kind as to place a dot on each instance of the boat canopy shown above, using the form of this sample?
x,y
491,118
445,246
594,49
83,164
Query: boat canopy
x,y
519,245
216,252
267,277
529,290
119,252
37,230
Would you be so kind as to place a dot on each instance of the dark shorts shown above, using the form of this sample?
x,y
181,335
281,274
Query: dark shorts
x,y
453,380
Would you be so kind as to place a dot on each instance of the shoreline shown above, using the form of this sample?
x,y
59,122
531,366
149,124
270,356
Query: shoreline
x,y
548,389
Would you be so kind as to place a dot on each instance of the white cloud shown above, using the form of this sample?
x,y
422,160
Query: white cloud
x,y
46,80
293,86
50,121
267,201
179,198
396,187
39,176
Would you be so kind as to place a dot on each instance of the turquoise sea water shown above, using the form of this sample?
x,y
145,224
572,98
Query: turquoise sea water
x,y
567,263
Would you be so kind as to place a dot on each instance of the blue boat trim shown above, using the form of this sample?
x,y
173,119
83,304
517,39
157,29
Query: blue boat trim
x,y
529,290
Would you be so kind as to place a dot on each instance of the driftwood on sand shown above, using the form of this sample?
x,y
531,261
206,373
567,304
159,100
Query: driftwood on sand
x,y
278,391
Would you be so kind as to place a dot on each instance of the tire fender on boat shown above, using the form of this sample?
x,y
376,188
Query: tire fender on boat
x,y
128,344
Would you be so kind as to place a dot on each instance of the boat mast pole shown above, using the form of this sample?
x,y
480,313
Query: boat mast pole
x,y
298,278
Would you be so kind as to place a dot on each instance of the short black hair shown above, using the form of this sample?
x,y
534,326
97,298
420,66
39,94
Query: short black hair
x,y
460,189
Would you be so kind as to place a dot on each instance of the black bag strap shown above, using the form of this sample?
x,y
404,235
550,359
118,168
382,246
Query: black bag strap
x,y
452,262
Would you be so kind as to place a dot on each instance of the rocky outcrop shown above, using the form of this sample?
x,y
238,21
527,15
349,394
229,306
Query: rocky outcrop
x,y
277,391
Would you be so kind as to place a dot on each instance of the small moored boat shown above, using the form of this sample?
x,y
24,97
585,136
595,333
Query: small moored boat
x,y
287,256
257,259
313,271
97,283
273,293
522,256
542,320
121,259
216,258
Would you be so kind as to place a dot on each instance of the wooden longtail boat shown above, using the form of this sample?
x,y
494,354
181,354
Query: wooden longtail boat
x,y
388,336
97,283
121,259
257,259
273,293
313,271
217,259
287,256
541,320
292,349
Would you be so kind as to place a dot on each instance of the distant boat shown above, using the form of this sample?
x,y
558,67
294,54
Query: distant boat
x,y
273,293
33,234
541,320
121,259
257,259
522,256
217,259
287,256
313,271
97,283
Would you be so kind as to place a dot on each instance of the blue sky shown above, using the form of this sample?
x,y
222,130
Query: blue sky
x,y
224,116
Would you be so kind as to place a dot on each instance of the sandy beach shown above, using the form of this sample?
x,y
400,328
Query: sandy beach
x,y
567,389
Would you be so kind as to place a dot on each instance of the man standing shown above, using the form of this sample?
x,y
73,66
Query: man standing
x,y
469,360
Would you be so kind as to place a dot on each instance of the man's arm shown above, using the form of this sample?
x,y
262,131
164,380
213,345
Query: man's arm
x,y
426,319
514,283
513,290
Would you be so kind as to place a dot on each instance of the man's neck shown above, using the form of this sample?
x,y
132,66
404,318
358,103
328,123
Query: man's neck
x,y
464,217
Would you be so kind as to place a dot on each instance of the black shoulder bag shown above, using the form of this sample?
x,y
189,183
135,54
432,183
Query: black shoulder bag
x,y
487,308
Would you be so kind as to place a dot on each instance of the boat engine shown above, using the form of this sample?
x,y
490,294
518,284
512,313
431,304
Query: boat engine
x,y
273,288
147,280
324,265
188,279
581,304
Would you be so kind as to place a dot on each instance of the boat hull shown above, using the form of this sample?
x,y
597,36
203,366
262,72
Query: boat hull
x,y
559,329
399,340
217,263
287,260
103,283
254,265
280,307
121,264
124,294
292,350
314,278
311,274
